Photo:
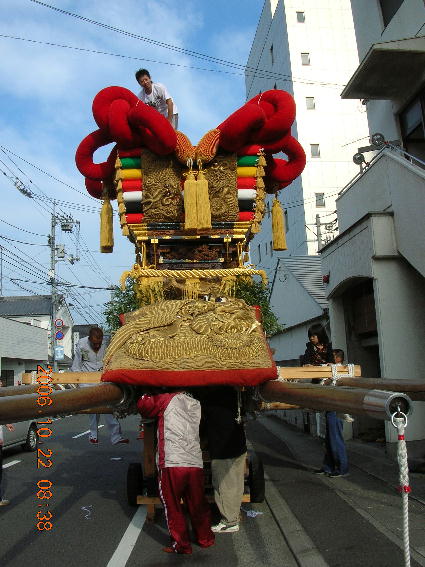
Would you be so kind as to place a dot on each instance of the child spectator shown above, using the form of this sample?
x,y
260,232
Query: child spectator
x,y
338,355
180,467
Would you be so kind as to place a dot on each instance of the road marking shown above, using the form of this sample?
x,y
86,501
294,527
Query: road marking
x,y
10,464
85,432
303,548
129,539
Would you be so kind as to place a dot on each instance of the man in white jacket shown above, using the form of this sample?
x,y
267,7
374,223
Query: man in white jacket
x,y
180,467
89,354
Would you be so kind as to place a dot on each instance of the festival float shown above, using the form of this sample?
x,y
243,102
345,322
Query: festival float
x,y
191,212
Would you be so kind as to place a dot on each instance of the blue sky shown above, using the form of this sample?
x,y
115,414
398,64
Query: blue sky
x,y
46,94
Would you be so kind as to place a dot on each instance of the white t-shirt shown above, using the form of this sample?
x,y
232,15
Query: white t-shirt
x,y
157,98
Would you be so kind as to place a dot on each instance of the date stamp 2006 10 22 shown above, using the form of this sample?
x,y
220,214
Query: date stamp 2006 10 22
x,y
44,515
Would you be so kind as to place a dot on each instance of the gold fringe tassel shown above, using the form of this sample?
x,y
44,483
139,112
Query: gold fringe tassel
x,y
261,159
192,288
149,290
106,224
259,184
202,200
228,286
278,226
190,200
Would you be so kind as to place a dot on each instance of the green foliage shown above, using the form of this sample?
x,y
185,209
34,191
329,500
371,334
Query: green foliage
x,y
252,292
255,293
122,301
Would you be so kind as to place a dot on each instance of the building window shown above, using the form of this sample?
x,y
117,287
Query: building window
x,y
305,58
275,86
259,253
310,103
271,54
412,126
266,249
286,220
271,248
320,199
389,8
300,17
315,150
8,377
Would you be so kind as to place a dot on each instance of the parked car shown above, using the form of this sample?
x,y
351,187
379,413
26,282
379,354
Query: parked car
x,y
25,434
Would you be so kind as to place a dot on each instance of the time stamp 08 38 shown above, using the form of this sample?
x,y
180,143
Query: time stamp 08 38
x,y
44,515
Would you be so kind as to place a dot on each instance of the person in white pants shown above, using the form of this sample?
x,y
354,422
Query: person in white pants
x,y
88,357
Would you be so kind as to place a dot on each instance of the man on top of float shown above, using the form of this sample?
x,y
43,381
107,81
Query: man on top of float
x,y
157,96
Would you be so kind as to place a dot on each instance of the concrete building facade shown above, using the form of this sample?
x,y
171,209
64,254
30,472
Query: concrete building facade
x,y
376,266
36,310
22,348
309,49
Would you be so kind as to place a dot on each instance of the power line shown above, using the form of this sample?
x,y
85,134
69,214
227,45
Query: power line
x,y
261,54
169,46
47,199
4,150
20,241
22,229
260,73
69,285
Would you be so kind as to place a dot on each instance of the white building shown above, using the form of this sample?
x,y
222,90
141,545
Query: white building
x,y
307,48
36,310
22,348
376,266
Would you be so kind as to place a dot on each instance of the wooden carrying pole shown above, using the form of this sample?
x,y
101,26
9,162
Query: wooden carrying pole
x,y
374,403
20,408
65,378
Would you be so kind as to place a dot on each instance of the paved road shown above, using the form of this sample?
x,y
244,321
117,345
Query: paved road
x,y
306,520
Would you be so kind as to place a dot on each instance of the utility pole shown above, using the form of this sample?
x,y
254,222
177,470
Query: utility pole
x,y
57,252
52,242
319,233
1,271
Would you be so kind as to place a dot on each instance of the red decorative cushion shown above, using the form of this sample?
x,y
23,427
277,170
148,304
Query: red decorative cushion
x,y
132,185
171,378
85,152
134,218
246,182
129,152
245,216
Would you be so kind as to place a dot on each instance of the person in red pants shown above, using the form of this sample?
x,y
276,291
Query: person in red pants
x,y
180,467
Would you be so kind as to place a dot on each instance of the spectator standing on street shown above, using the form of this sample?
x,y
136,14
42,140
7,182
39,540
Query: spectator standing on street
x,y
227,448
10,427
157,96
88,357
180,466
335,462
